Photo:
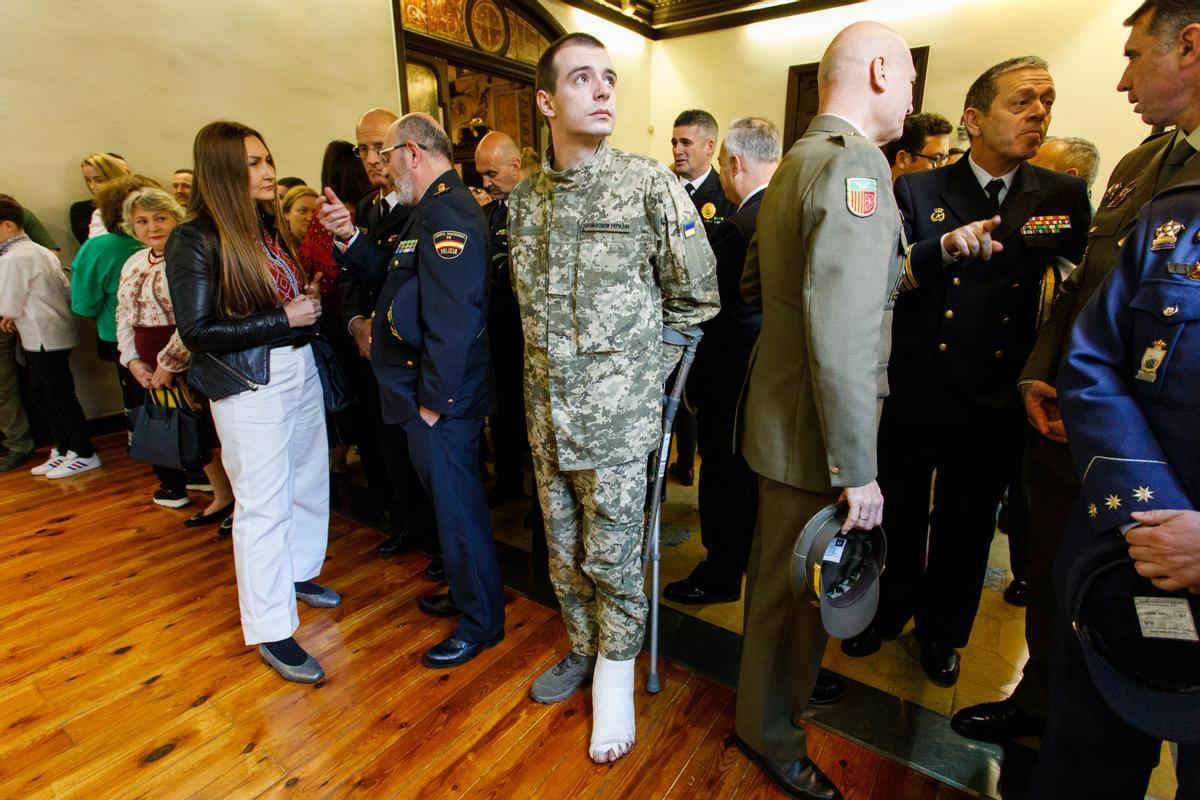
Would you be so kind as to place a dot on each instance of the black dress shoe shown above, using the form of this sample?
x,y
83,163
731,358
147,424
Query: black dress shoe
x,y
864,644
694,592
439,605
1017,593
436,571
226,526
685,475
940,663
829,690
995,722
453,651
200,518
396,544
801,779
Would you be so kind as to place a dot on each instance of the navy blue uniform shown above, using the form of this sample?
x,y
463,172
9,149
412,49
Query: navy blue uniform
x,y
1129,390
429,348
960,335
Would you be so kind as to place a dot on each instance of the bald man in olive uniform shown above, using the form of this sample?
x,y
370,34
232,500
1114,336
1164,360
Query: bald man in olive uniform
x,y
826,261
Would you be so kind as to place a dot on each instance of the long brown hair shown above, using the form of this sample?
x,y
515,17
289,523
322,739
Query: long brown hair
x,y
222,194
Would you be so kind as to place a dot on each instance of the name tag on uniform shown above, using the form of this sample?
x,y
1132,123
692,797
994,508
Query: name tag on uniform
x,y
605,227
1055,223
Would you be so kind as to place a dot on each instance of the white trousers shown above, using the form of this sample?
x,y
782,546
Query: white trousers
x,y
274,449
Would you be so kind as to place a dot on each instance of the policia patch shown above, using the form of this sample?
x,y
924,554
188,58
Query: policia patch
x,y
449,244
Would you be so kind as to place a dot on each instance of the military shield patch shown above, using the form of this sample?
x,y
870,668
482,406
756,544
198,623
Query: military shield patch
x,y
449,244
861,196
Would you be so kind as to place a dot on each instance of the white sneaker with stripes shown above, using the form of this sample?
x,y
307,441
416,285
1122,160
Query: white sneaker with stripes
x,y
56,459
74,465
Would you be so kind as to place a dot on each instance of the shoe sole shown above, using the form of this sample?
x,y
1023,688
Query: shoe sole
x,y
180,503
549,700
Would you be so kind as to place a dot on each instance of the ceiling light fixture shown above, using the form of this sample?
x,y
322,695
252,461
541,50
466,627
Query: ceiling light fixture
x,y
627,8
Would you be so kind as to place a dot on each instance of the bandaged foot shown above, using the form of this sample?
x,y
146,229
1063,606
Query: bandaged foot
x,y
613,723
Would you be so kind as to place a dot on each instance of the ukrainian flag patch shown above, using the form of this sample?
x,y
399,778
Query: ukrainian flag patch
x,y
689,230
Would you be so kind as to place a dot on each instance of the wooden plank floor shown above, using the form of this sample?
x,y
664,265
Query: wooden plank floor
x,y
123,675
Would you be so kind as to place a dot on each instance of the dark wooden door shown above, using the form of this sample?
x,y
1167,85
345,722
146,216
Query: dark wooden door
x,y
802,98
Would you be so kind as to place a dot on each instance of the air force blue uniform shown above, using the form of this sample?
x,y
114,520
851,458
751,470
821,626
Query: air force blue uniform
x,y
429,348
1129,389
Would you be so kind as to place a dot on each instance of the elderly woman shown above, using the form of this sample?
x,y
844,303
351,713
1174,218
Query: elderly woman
x,y
149,345
98,168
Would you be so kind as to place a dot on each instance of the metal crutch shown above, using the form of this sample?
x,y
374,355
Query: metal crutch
x,y
688,339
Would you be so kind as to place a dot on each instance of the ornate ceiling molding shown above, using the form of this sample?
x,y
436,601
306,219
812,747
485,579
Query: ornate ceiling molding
x,y
664,19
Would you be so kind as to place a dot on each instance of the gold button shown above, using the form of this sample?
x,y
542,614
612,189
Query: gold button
x,y
1004,320
1016,286
1121,242
409,363
999,354
396,263
1093,229
1170,311
956,281
943,347
451,400
835,470
949,314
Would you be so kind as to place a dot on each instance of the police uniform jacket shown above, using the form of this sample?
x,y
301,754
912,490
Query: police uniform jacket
x,y
382,228
826,259
429,343
711,203
729,337
965,329
603,254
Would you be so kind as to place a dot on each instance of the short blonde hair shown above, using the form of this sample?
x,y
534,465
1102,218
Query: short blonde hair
x,y
294,194
148,199
106,165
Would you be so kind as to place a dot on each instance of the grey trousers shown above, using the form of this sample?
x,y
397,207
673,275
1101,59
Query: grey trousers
x,y
783,640
13,423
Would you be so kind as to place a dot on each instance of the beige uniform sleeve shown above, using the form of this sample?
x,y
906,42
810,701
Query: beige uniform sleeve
x,y
844,293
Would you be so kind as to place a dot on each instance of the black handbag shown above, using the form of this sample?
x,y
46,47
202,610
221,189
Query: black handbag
x,y
167,432
334,385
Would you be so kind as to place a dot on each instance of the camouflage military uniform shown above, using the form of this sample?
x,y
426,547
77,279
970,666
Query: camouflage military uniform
x,y
602,255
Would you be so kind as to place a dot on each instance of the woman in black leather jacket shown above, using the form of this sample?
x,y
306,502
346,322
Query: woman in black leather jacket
x,y
241,311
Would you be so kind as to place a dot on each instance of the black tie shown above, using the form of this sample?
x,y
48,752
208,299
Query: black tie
x,y
689,189
993,189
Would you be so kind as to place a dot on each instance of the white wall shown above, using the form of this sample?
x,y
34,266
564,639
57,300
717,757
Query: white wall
x,y
141,78
743,71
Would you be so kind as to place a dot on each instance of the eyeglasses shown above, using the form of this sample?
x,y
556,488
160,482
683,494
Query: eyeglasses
x,y
364,150
937,159
383,152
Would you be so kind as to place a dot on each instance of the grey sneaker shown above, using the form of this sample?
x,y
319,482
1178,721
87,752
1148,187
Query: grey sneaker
x,y
560,681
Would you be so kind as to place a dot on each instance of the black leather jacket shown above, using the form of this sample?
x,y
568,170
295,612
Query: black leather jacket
x,y
229,356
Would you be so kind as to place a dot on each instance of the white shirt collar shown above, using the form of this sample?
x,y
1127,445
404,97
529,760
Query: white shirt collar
x,y
750,194
857,128
391,200
696,182
984,177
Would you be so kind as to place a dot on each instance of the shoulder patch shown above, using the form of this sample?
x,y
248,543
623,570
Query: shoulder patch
x,y
449,244
861,196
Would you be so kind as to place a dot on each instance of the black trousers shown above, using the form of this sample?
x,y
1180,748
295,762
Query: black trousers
x,y
728,491
1050,477
362,423
53,389
411,504
510,437
974,450
1087,749
446,459
131,391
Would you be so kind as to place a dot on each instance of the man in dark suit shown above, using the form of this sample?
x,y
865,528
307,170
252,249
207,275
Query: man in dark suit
x,y
383,448
693,145
1164,86
728,491
965,321
429,349
925,145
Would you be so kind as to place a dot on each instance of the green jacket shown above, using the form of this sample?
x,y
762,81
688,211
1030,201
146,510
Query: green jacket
x,y
95,275
826,260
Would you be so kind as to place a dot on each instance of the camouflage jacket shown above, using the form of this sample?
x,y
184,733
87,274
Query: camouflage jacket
x,y
602,255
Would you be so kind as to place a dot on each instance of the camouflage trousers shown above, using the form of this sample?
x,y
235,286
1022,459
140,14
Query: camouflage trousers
x,y
595,525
